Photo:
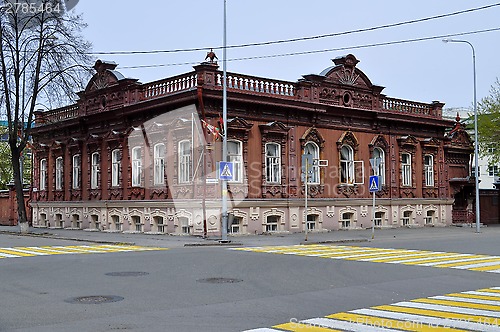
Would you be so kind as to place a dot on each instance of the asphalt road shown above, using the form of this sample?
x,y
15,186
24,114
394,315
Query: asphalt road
x,y
177,289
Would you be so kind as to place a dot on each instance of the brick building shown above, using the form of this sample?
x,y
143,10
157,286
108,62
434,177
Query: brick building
x,y
138,157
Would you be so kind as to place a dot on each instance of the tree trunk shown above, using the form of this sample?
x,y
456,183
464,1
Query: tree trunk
x,y
18,185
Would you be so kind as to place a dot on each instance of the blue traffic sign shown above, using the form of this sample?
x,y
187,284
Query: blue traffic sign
x,y
226,171
373,183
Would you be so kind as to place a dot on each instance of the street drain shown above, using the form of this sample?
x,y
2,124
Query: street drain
x,y
219,280
127,274
98,299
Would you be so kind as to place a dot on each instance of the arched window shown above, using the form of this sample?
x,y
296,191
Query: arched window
x,y
43,174
273,163
347,165
95,170
115,167
77,171
59,173
380,170
429,170
184,155
136,166
313,149
235,155
159,161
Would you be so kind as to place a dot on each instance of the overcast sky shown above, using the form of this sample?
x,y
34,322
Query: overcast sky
x,y
421,71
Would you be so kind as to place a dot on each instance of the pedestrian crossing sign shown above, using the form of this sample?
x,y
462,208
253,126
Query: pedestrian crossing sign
x,y
226,171
374,185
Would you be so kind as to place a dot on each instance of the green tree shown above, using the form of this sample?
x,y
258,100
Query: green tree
x,y
488,124
42,60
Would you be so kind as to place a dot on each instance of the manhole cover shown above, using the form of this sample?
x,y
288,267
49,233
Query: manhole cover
x,y
98,299
219,280
127,274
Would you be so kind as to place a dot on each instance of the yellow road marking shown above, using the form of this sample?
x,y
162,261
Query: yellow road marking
x,y
387,322
297,327
460,304
436,313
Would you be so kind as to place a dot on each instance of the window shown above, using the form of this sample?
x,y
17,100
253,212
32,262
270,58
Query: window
x,y
429,219
77,171
43,174
95,170
159,160
406,218
406,169
272,223
273,163
158,222
94,222
136,220
346,219
429,170
474,171
346,165
136,166
311,221
43,219
115,167
312,149
59,221
59,173
75,221
379,216
235,225
235,155
493,170
184,161
116,223
380,170
184,222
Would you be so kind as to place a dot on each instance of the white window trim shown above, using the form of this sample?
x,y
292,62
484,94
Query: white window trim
x,y
95,170
406,171
115,167
185,162
380,171
429,171
271,162
314,177
237,160
159,165
77,171
136,167
43,174
59,173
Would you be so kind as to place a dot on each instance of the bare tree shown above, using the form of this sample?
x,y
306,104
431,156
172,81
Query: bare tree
x,y
43,60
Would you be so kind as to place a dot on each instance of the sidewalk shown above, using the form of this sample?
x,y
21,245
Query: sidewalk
x,y
176,241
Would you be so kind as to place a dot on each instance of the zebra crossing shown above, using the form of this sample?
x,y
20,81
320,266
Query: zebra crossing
x,y
16,252
484,263
467,311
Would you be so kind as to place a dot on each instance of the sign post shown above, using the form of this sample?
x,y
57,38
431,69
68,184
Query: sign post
x,y
374,186
307,164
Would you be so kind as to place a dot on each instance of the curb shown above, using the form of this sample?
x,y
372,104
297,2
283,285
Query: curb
x,y
333,241
215,244
48,236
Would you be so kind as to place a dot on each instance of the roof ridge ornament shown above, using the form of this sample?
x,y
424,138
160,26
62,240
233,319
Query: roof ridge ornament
x,y
347,77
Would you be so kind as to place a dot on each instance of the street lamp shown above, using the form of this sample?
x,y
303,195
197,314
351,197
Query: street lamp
x,y
224,119
476,141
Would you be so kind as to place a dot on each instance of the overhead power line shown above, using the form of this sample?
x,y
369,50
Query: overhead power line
x,y
325,50
335,34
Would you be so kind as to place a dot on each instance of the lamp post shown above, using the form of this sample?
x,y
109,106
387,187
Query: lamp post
x,y
224,119
476,141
